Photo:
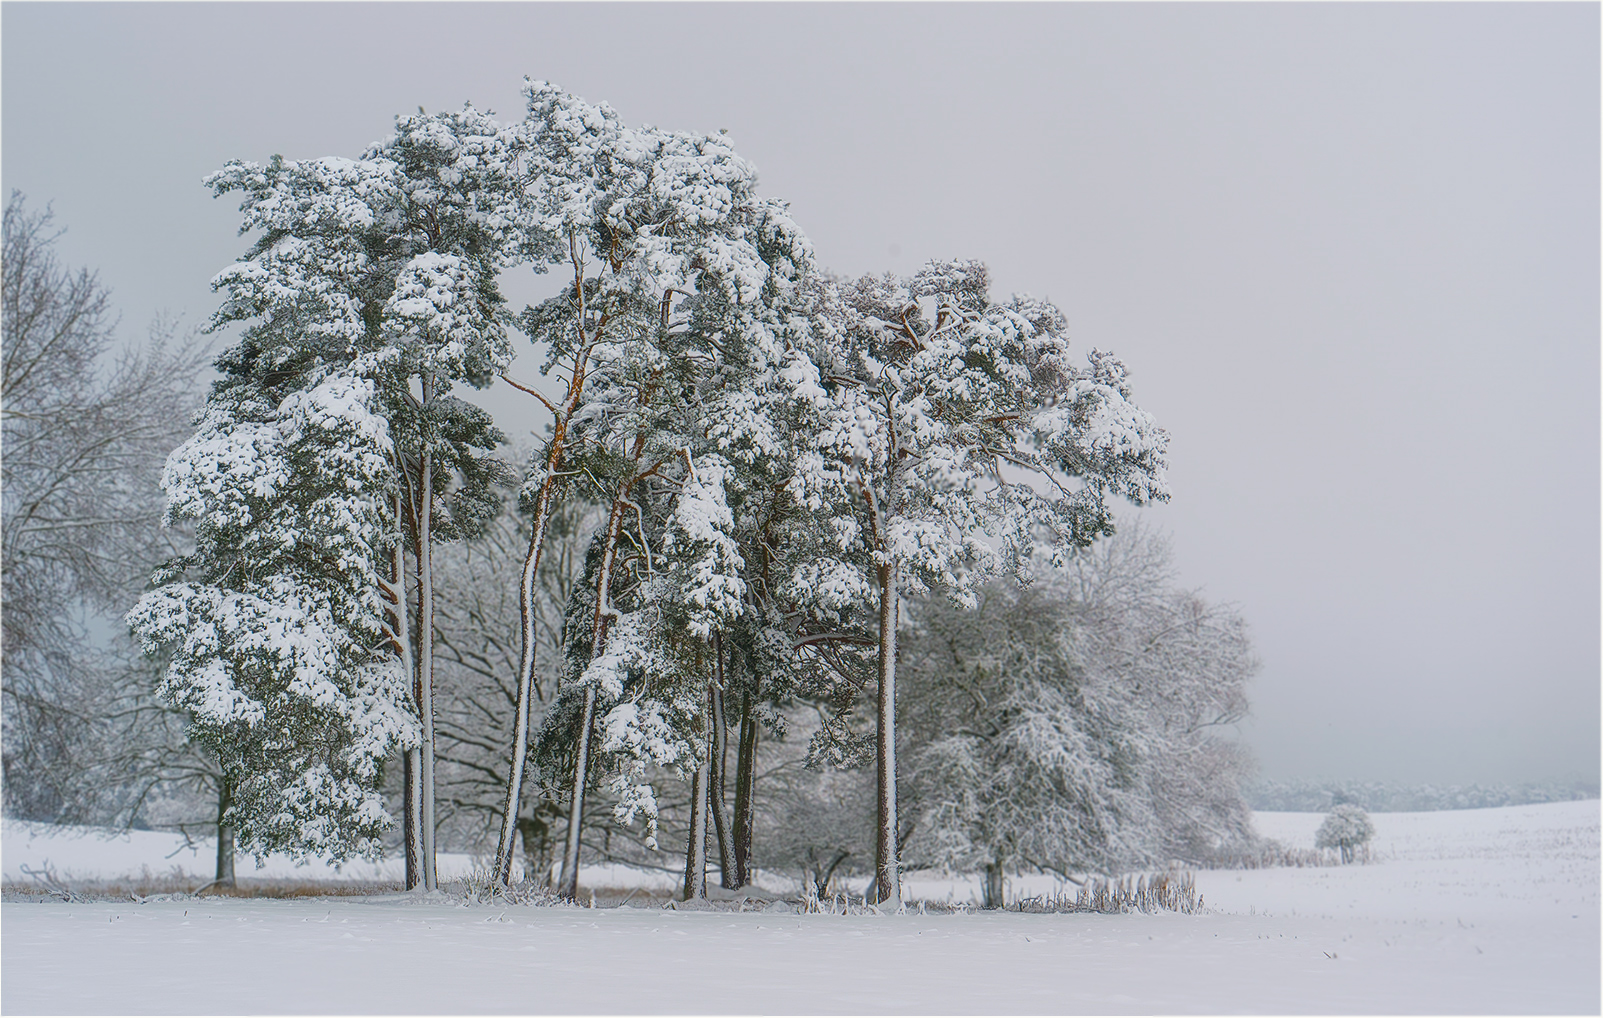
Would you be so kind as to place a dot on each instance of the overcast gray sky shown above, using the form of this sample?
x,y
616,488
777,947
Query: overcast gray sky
x,y
1350,251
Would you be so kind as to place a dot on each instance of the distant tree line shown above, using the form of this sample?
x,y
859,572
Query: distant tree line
x,y
1319,795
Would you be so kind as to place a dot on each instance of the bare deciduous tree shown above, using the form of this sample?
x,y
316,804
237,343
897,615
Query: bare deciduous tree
x,y
86,427
477,654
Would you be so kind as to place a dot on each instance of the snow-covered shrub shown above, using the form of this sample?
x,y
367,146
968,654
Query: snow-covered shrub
x,y
481,886
1346,827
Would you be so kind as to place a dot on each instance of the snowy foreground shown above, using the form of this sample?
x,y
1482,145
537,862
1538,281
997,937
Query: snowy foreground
x,y
1479,911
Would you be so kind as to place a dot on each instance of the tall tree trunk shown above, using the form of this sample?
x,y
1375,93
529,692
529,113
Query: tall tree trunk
x,y
570,853
520,732
887,879
716,762
411,759
425,640
745,784
531,566
411,765
225,834
696,841
581,765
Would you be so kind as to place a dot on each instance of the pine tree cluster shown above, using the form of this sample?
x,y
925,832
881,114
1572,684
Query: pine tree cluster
x,y
750,465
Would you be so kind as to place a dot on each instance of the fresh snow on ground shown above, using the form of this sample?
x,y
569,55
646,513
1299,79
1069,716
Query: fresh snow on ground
x,y
1478,911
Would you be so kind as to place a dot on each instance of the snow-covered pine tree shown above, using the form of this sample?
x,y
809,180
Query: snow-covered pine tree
x,y
578,167
444,322
665,581
648,218
742,384
804,630
955,415
381,271
275,626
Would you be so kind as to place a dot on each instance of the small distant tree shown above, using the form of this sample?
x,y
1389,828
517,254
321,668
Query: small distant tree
x,y
1345,828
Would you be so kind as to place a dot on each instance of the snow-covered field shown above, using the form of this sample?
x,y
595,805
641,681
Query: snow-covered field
x,y
1480,911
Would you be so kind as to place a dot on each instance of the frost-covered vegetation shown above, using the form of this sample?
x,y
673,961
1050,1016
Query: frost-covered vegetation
x,y
809,574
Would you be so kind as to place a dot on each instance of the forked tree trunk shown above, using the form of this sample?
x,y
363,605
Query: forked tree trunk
x,y
887,878
745,785
696,840
225,835
531,571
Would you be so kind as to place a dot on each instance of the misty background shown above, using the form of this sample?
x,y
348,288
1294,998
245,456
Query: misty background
x,y
1350,252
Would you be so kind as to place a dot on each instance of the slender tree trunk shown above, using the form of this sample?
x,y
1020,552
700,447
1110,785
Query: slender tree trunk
x,y
531,572
581,766
696,841
411,759
520,732
745,784
425,641
716,762
225,834
887,879
994,886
